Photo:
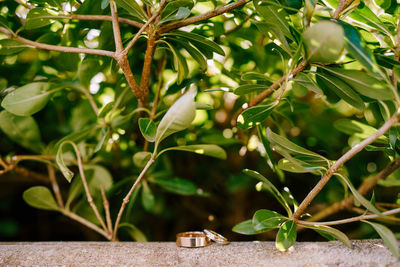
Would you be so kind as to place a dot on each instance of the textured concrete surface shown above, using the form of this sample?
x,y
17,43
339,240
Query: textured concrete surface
x,y
364,253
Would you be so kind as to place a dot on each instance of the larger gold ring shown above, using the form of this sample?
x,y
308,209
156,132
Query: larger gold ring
x,y
192,240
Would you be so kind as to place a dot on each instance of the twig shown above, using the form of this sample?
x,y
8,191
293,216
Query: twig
x,y
3,163
128,196
104,18
57,48
85,222
353,219
85,185
54,185
341,6
192,20
364,188
106,205
116,30
343,159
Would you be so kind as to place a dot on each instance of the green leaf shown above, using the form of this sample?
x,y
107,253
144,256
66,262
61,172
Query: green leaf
x,y
148,199
363,201
38,17
271,28
265,220
173,6
132,7
103,135
324,42
104,3
40,197
356,128
255,76
105,109
134,232
254,115
148,129
206,150
362,82
77,137
195,38
290,166
274,15
179,62
182,13
271,188
356,47
4,23
88,68
388,237
68,174
22,130
10,46
28,99
245,228
250,88
286,236
197,56
140,159
175,185
322,229
307,82
179,116
340,88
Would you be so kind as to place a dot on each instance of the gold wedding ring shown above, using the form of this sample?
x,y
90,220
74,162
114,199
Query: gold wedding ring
x,y
214,236
192,240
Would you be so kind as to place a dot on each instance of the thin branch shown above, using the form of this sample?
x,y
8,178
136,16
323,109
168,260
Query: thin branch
x,y
128,196
106,205
86,187
116,30
341,6
364,188
3,163
103,18
64,49
353,219
348,155
195,19
54,185
86,223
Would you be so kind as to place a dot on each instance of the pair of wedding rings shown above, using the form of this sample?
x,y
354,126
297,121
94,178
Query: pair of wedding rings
x,y
199,239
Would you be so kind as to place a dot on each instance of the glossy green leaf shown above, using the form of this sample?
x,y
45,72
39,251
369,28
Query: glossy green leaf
x,y
179,62
290,166
359,129
40,197
388,237
132,7
363,83
173,6
255,76
10,46
176,185
250,88
67,173
39,17
245,228
271,28
28,99
140,159
195,38
133,231
22,130
206,150
307,82
274,15
148,129
182,13
179,116
340,88
270,187
323,229
286,236
148,199
254,115
194,52
356,46
363,201
265,220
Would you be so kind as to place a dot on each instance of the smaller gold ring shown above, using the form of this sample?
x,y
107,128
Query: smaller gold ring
x,y
214,236
192,239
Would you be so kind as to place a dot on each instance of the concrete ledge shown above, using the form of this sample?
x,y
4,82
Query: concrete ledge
x,y
365,253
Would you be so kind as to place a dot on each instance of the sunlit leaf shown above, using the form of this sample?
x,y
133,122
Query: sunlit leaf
x,y
148,129
202,149
286,236
265,220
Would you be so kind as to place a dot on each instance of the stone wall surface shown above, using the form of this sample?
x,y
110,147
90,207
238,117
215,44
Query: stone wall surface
x,y
365,253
